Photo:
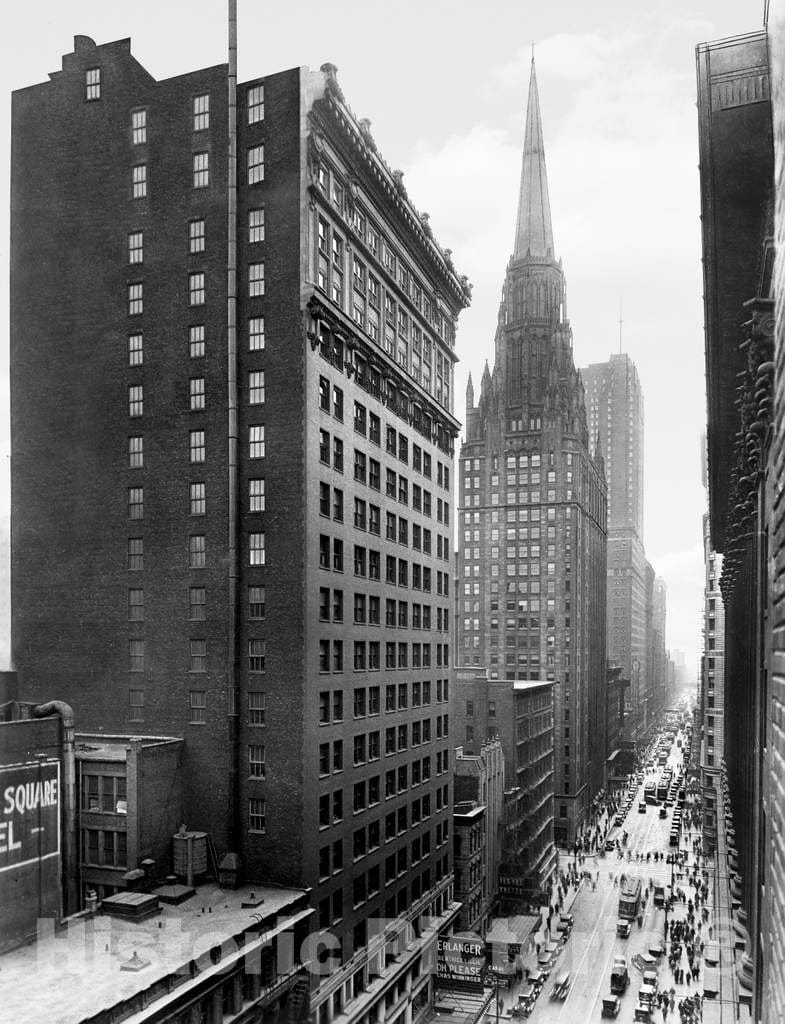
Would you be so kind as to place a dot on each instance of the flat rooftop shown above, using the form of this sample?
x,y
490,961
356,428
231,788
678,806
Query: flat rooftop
x,y
101,747
73,974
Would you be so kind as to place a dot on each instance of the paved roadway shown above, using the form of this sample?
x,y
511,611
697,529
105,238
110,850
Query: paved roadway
x,y
589,952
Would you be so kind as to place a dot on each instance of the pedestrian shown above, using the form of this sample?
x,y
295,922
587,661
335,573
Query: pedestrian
x,y
688,977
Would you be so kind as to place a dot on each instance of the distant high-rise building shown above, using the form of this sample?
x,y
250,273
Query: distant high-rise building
x,y
232,479
532,504
614,409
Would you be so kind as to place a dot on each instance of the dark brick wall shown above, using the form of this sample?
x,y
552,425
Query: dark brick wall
x,y
71,215
279,853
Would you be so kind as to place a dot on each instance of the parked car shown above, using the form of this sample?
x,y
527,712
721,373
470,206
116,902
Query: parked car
x,y
623,928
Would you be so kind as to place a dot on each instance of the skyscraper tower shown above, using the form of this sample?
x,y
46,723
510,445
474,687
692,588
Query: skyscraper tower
x,y
533,503
614,400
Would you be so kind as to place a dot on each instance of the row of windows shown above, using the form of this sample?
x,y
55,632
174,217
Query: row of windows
x,y
197,555
368,562
196,403
257,703
196,289
366,747
196,341
366,701
367,655
197,658
196,236
200,172
196,438
367,793
197,596
367,609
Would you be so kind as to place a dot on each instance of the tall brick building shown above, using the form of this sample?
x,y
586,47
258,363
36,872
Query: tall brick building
x,y
614,400
234,527
532,529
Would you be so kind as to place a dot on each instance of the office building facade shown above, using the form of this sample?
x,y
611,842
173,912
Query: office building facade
x,y
614,409
237,524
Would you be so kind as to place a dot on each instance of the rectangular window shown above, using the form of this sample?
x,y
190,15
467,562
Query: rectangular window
x,y
201,112
256,707
256,495
256,225
197,499
136,605
201,169
256,602
135,452
256,442
255,279
256,761
136,705
256,549
256,655
196,236
197,600
255,164
136,655
196,393
136,247
255,104
139,181
196,289
196,341
135,350
93,84
135,299
257,814
138,127
135,554
256,387
197,656
135,502
197,551
256,334
196,445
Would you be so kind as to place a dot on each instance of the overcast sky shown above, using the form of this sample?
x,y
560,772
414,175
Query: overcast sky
x,y
444,83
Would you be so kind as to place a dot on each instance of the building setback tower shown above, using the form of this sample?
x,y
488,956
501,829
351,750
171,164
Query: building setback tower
x,y
533,504
614,402
235,530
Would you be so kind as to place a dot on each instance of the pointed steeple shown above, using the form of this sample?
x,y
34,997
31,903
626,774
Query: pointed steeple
x,y
533,233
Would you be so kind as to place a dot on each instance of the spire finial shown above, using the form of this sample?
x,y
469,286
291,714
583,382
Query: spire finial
x,y
621,322
533,233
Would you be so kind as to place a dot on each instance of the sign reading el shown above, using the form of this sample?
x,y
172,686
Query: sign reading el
x,y
29,813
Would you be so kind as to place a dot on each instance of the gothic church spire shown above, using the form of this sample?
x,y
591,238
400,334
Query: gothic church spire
x,y
533,233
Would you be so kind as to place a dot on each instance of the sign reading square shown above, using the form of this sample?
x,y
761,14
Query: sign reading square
x,y
29,813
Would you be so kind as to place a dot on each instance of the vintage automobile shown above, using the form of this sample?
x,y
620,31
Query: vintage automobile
x,y
620,977
611,1006
623,928
561,987
526,1000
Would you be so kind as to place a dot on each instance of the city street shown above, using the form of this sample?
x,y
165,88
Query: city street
x,y
589,952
